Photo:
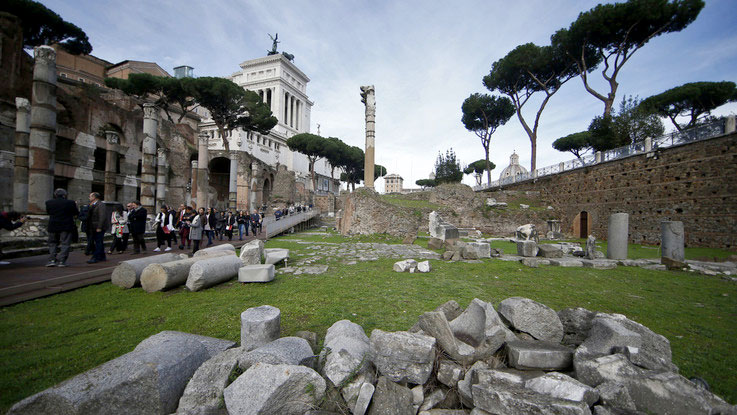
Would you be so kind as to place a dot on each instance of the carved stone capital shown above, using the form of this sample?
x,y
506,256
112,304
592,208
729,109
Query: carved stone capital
x,y
22,104
45,55
194,164
204,137
112,137
150,111
161,153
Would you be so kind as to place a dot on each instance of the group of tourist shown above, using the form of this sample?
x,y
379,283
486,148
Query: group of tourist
x,y
290,210
129,222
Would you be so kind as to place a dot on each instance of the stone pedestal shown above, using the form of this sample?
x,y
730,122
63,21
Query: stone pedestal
x,y
20,174
148,165
672,236
202,173
42,138
618,236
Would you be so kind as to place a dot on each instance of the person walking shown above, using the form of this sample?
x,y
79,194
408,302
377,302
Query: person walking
x,y
84,211
196,228
242,220
137,226
164,227
255,217
61,227
119,230
97,222
230,224
220,224
184,217
209,225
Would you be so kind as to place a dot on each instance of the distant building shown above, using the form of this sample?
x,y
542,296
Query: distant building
x,y
123,69
81,68
393,183
183,71
514,167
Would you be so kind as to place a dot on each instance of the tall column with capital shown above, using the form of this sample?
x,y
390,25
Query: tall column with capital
x,y
255,195
193,185
42,138
20,174
233,181
112,140
148,165
369,99
162,173
202,173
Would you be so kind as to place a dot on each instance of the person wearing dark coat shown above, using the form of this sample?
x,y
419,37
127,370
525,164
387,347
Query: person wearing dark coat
x,y
61,227
211,224
97,222
137,226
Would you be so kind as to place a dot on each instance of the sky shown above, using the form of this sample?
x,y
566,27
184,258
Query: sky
x,y
424,57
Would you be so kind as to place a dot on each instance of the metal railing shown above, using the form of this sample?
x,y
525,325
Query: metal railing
x,y
275,227
702,132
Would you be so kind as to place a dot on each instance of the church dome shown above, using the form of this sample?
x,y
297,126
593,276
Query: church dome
x,y
513,169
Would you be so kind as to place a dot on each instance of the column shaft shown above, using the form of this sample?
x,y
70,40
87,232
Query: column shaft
x,y
20,174
162,170
148,165
233,181
42,138
202,173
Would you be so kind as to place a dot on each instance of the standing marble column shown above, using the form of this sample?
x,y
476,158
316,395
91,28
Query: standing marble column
x,y
20,174
148,166
112,140
42,138
193,185
202,173
368,97
618,236
671,243
162,170
233,181
254,199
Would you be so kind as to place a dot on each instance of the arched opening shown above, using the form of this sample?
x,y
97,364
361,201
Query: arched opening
x,y
582,225
267,192
219,181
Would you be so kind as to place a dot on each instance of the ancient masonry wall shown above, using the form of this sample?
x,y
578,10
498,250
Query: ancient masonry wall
x,y
694,183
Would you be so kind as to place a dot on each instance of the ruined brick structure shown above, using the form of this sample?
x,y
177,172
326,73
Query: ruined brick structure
x,y
695,183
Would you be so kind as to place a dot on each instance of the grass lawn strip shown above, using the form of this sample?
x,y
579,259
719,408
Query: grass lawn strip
x,y
48,340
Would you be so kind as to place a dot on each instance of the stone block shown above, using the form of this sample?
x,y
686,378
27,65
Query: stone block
x,y
567,262
148,380
538,355
433,398
275,389
531,317
204,390
391,399
482,249
345,348
424,267
364,398
252,252
259,326
576,324
207,251
549,251
521,401
449,373
406,265
558,385
402,356
599,263
526,233
282,351
275,255
435,243
464,385
527,248
256,273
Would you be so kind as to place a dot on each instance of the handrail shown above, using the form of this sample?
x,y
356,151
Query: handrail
x,y
702,132
286,222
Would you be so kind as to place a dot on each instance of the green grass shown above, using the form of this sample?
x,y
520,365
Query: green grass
x,y
51,339
399,200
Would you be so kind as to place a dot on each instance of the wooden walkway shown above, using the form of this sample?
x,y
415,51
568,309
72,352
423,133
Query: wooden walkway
x,y
28,278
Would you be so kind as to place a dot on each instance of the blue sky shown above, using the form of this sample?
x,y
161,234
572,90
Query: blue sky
x,y
424,58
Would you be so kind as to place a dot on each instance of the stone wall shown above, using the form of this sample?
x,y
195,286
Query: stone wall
x,y
365,213
285,190
693,183
326,203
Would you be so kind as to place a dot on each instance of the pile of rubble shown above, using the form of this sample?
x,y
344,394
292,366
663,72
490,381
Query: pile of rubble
x,y
520,358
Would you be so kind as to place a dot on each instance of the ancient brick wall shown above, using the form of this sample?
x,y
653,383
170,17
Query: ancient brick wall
x,y
694,183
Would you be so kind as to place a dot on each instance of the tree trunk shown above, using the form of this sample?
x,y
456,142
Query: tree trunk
x,y
226,144
488,167
533,163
